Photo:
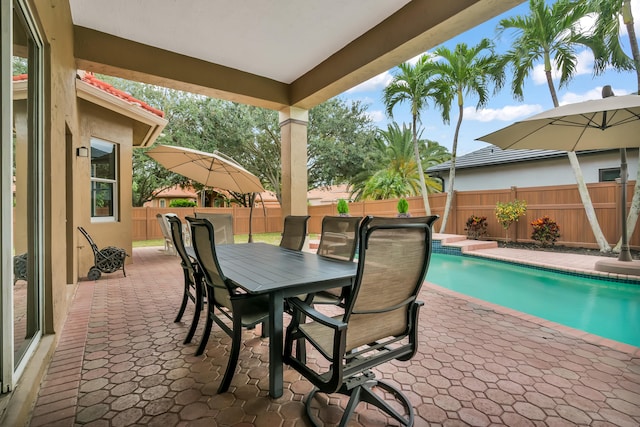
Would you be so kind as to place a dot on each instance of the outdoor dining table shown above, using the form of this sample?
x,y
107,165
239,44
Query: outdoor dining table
x,y
264,269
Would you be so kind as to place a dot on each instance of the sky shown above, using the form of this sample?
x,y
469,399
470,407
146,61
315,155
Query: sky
x,y
502,109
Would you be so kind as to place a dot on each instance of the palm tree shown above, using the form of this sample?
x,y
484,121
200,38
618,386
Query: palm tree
x,y
395,172
546,33
462,72
410,85
607,29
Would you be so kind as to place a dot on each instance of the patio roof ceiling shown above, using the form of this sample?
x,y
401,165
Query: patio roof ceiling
x,y
270,53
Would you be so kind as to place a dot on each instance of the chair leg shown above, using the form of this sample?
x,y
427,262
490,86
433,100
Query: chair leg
x,y
194,322
206,333
236,341
185,298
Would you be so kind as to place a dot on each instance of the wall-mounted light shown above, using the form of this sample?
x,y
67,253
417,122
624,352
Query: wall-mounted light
x,y
82,152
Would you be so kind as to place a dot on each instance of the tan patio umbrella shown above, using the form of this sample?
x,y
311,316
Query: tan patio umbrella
x,y
209,169
612,122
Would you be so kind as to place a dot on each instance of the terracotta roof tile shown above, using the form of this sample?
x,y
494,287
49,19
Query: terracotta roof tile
x,y
92,80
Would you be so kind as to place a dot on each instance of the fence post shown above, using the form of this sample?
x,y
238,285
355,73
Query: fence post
x,y
514,196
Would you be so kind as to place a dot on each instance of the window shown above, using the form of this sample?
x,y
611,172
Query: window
x,y
104,183
610,174
162,203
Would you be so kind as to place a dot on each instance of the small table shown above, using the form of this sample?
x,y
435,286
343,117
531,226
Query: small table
x,y
260,268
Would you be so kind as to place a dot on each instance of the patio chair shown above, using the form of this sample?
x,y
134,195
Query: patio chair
x,y
193,282
294,232
166,233
222,224
379,325
338,240
243,310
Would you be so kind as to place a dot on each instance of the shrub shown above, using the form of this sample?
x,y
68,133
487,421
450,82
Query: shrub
x,y
509,212
182,203
343,207
403,208
545,231
476,227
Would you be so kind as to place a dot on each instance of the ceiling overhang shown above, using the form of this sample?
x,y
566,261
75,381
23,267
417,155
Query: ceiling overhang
x,y
411,30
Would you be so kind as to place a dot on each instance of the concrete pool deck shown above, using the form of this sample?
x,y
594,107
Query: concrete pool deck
x,y
120,361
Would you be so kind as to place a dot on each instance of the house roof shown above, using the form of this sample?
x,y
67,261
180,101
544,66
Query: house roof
x,y
149,121
269,53
177,192
94,81
492,155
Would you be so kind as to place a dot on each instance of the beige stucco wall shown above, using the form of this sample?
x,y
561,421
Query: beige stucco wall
x,y
54,18
98,122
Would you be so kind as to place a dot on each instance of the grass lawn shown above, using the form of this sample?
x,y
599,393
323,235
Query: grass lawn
x,y
271,238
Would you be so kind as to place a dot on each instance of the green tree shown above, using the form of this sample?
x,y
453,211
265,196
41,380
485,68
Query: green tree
x,y
394,172
548,33
608,29
465,71
410,86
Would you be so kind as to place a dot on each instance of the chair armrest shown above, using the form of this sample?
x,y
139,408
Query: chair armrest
x,y
306,309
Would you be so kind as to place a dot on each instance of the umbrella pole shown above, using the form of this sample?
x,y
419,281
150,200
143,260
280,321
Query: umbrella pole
x,y
625,254
252,197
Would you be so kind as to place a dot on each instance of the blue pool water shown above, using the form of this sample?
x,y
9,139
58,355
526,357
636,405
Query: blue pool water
x,y
604,308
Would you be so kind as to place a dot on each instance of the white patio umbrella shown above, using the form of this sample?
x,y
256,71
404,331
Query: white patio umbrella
x,y
209,169
612,122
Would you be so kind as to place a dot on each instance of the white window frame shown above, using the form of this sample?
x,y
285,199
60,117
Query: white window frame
x,y
114,182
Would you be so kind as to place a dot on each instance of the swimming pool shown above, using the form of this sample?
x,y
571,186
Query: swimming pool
x,y
604,308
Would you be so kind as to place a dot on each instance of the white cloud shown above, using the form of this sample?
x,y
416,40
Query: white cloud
x,y
378,116
595,93
506,114
376,83
584,65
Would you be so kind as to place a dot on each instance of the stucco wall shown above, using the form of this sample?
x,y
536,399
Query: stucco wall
x,y
108,126
60,112
540,173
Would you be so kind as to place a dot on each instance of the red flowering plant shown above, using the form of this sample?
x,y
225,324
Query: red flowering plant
x,y
545,231
476,227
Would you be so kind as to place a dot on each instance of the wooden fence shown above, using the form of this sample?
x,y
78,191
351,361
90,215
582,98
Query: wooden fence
x,y
562,203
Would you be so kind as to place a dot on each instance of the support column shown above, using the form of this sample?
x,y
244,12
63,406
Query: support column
x,y
293,152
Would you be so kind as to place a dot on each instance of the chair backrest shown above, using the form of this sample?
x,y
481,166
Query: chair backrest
x,y
294,232
165,228
393,259
339,237
175,226
203,239
222,224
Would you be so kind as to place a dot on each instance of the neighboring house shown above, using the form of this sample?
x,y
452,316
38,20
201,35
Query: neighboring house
x,y
317,196
491,168
163,198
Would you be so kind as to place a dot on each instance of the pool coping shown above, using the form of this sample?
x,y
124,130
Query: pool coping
x,y
458,250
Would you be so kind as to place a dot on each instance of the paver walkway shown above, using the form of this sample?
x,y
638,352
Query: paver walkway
x,y
121,361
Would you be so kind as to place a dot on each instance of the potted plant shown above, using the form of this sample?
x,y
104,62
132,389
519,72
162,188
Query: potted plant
x,y
476,227
343,207
403,208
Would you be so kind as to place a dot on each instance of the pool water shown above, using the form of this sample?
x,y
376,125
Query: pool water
x,y
604,308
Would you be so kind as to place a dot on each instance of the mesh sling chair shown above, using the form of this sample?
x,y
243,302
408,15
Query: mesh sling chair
x,y
294,232
338,240
166,233
222,224
379,323
243,310
193,284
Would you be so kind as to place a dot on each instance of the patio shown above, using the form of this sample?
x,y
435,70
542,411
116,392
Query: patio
x,y
120,361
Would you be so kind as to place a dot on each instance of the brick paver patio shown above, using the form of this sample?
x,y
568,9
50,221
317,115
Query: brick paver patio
x,y
121,361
